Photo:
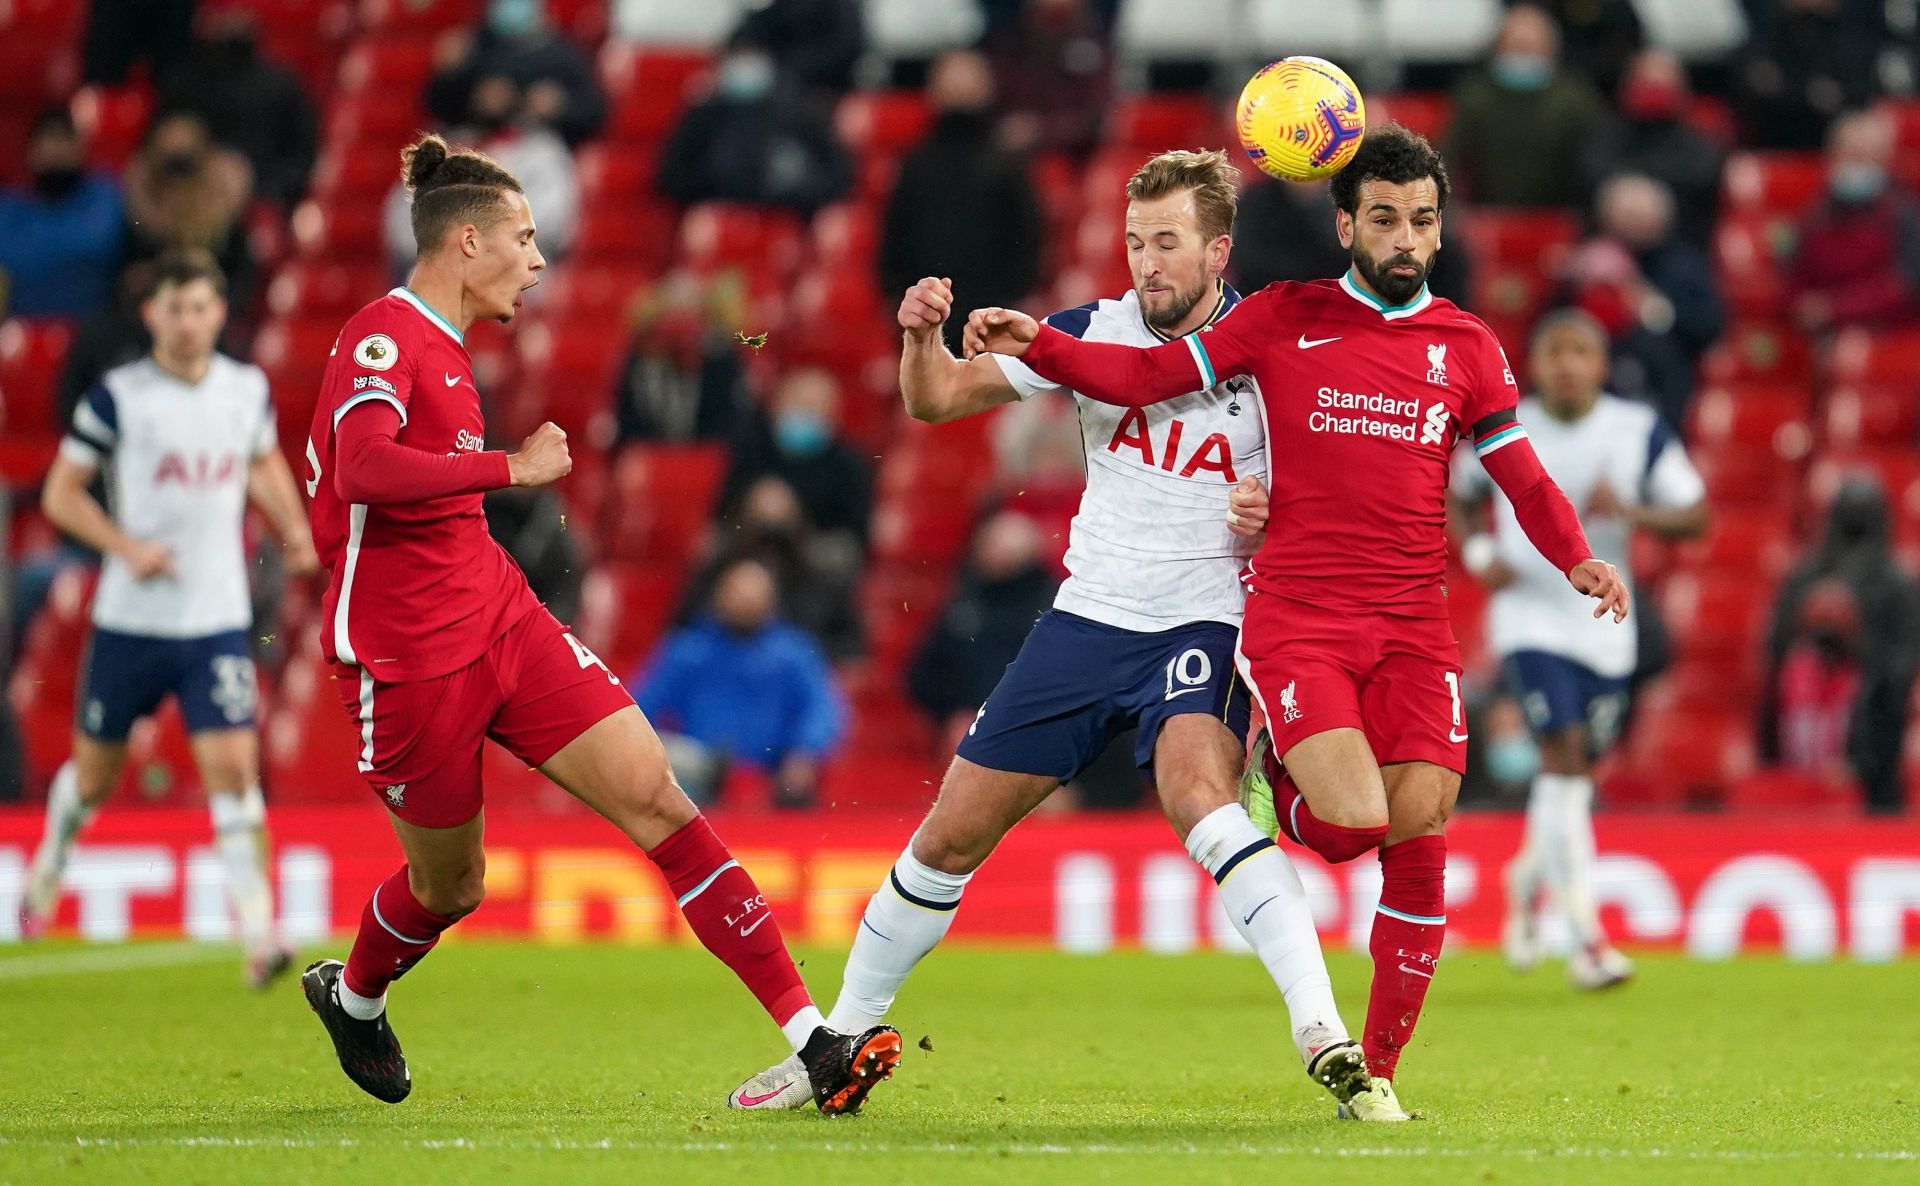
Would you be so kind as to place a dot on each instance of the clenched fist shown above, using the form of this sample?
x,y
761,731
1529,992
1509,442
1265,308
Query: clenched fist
x,y
542,459
999,331
926,307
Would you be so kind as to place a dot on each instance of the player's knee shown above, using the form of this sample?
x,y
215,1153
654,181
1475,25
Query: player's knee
x,y
1187,804
1425,819
453,896
955,855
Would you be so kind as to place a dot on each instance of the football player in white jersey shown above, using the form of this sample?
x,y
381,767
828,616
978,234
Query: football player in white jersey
x,y
1623,465
187,437
1141,634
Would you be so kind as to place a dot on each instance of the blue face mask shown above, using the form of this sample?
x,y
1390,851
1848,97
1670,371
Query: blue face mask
x,y
745,77
801,434
1512,759
1858,182
515,18
1522,72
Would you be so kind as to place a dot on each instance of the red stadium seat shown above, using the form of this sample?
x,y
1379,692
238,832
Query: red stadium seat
x,y
636,232
1793,791
386,18
322,289
114,120
1760,351
388,65
1159,122
1752,416
1692,760
650,88
1748,477
730,234
298,345
1426,112
31,355
353,174
593,287
1713,116
659,504
374,122
1518,252
847,235
41,22
1785,182
883,123
341,231
1749,257
1716,618
1863,356
615,171
1742,539
1860,415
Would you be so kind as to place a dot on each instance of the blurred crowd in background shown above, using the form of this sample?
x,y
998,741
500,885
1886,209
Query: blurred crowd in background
x,y
811,594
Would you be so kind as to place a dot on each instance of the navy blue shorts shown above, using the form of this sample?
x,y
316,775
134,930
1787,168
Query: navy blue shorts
x,y
1556,693
128,675
1077,684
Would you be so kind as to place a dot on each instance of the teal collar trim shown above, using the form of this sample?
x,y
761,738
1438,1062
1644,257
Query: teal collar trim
x,y
1390,312
407,294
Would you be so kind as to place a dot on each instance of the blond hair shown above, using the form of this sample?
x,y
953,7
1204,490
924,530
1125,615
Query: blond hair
x,y
1215,184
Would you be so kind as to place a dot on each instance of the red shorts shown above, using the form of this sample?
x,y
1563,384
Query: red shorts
x,y
536,689
1397,679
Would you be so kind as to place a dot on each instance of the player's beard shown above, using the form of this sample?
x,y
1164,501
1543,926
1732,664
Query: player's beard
x,y
1395,290
1167,319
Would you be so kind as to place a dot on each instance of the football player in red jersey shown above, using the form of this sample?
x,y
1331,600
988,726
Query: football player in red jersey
x,y
438,644
1366,385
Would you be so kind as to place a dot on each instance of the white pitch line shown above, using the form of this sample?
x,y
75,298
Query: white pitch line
x,y
1653,1153
111,959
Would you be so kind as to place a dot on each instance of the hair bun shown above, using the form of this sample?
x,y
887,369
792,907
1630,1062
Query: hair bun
x,y
420,159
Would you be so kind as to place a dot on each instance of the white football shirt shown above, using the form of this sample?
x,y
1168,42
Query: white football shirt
x,y
1149,548
1622,443
176,457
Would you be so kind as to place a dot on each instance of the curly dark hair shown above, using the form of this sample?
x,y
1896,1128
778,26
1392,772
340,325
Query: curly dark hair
x,y
1394,154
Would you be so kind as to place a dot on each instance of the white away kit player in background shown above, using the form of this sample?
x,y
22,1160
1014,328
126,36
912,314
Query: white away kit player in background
x,y
1142,633
186,437
1626,470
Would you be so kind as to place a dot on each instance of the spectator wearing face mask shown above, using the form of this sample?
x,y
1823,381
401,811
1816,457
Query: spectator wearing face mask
x,y
1858,256
960,176
249,103
816,43
184,190
739,684
1841,654
801,446
63,234
754,139
1519,127
1649,134
552,76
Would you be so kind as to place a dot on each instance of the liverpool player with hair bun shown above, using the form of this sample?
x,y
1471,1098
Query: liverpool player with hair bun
x,y
1366,384
438,644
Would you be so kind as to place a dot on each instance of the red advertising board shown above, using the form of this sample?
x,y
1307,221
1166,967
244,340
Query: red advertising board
x,y
1713,886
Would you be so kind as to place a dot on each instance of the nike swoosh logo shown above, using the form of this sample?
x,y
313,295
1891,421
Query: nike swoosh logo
x,y
1248,920
1456,737
754,1101
1183,692
1416,971
871,927
1309,343
745,931
453,380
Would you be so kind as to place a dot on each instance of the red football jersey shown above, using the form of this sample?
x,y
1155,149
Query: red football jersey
x,y
1363,406
416,589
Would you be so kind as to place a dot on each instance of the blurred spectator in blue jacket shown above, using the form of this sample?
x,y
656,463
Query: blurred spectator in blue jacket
x,y
741,685
63,234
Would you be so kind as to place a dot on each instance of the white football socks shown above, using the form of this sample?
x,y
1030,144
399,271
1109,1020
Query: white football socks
x,y
904,920
1566,849
1262,893
798,1028
358,1007
67,816
239,835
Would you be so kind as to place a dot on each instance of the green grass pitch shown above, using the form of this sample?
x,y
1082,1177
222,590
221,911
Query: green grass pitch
x,y
148,1064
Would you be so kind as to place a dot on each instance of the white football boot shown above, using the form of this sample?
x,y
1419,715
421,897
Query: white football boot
x,y
781,1087
1599,966
1333,1060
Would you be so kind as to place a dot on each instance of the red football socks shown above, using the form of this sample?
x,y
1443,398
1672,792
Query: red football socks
x,y
1333,842
1407,933
396,932
730,916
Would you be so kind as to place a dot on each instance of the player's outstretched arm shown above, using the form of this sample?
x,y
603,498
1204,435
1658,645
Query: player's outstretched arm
x,y
1125,376
937,386
373,469
1546,515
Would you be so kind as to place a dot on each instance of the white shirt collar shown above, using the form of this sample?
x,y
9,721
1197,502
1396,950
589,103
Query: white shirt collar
x,y
1389,312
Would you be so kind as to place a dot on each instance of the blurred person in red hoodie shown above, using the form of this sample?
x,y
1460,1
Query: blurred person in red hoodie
x,y
1858,259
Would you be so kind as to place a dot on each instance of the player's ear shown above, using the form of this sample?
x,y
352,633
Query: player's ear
x,y
1217,253
470,240
1343,227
